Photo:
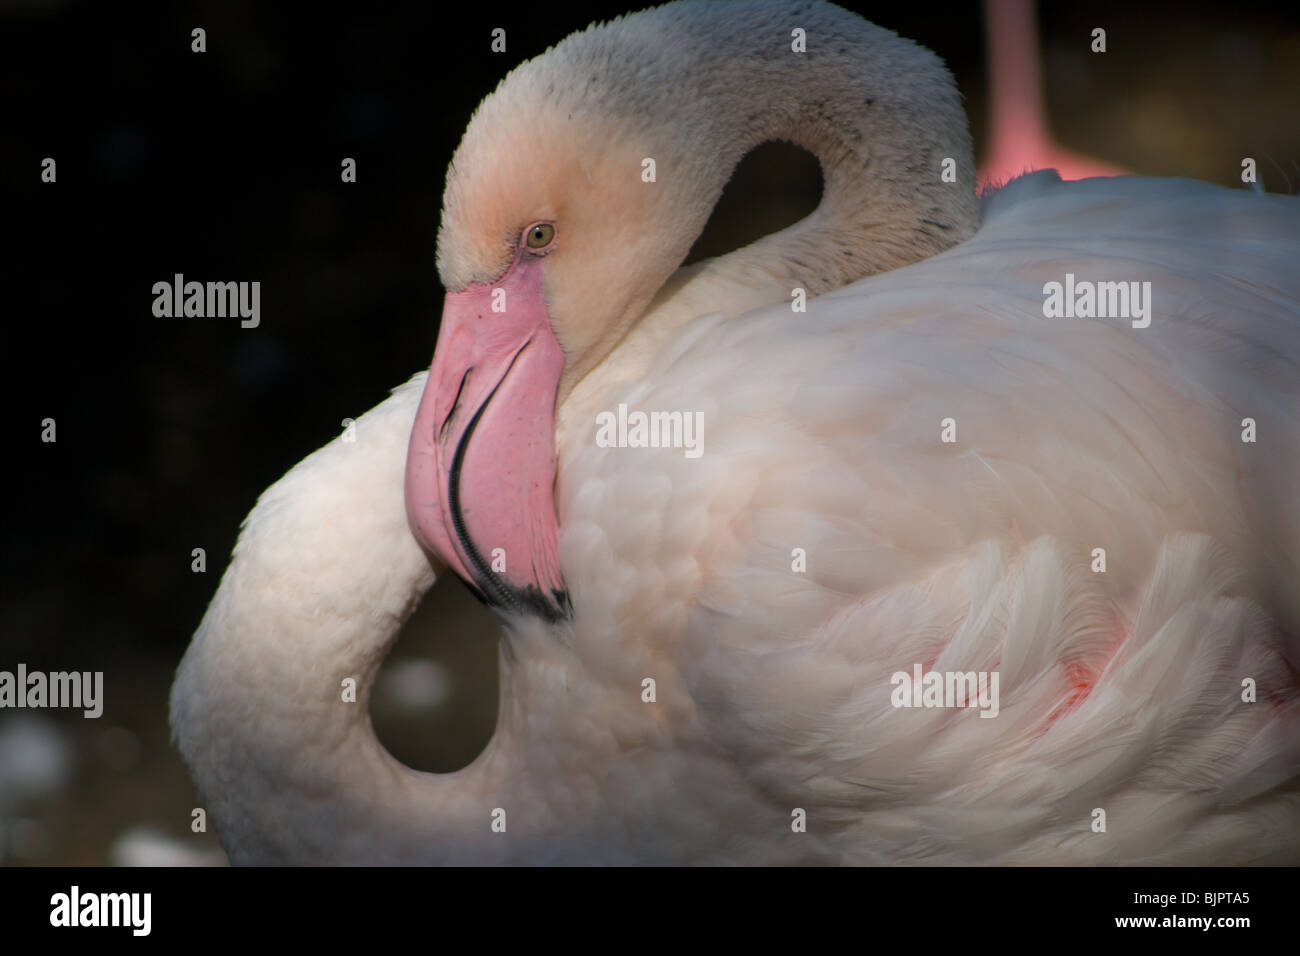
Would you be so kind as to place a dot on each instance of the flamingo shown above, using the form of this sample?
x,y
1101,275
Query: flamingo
x,y
906,467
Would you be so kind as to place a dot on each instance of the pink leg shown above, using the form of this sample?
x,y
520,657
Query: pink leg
x,y
1020,139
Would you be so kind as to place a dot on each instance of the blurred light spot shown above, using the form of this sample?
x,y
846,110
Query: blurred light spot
x,y
146,846
416,683
36,758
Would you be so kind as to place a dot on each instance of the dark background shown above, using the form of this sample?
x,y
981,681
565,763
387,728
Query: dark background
x,y
225,166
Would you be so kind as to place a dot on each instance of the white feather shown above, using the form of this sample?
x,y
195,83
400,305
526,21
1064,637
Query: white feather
x,y
1120,691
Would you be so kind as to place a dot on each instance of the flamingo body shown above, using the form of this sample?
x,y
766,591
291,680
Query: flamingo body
x,y
827,538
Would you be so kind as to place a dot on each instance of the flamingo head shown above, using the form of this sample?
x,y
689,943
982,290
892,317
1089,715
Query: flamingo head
x,y
553,242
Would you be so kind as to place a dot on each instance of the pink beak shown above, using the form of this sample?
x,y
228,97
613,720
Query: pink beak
x,y
480,469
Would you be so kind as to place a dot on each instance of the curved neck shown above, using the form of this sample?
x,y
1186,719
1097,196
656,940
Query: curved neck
x,y
881,114
290,766
885,203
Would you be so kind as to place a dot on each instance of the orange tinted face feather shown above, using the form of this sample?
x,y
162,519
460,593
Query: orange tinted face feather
x,y
565,139
582,174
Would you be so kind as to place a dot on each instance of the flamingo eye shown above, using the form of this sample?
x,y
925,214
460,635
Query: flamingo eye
x,y
539,236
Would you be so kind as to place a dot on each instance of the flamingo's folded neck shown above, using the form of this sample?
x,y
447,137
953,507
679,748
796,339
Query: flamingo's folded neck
x,y
271,703
625,139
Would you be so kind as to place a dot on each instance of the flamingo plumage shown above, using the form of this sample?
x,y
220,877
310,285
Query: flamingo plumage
x,y
829,536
